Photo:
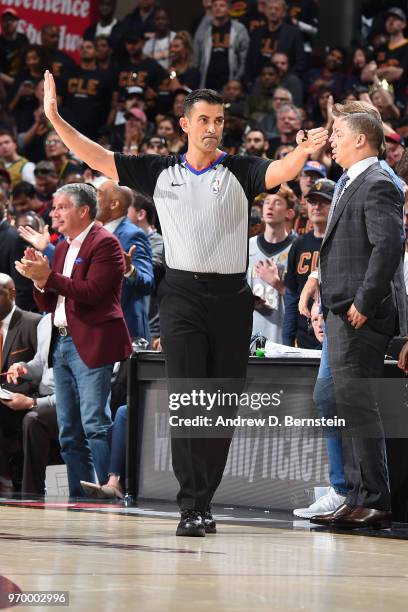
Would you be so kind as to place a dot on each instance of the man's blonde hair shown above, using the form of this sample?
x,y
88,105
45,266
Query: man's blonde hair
x,y
362,118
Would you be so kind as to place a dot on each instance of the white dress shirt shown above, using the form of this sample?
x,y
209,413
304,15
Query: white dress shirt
x,y
5,324
60,317
358,168
112,225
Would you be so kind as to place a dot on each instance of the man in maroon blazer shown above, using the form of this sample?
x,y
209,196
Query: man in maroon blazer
x,y
83,292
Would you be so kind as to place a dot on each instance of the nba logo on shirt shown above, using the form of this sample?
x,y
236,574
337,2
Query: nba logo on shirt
x,y
216,186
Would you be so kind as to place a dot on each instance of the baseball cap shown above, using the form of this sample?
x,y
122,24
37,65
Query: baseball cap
x,y
315,166
394,137
10,11
136,113
324,188
395,11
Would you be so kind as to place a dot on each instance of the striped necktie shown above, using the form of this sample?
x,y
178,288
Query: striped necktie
x,y
341,183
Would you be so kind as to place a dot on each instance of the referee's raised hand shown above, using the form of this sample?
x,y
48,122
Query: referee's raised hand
x,y
312,141
50,96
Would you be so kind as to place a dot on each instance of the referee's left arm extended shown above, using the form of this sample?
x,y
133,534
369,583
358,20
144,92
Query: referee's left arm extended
x,y
288,168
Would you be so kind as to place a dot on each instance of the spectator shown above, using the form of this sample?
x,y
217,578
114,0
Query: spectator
x,y
234,97
39,425
303,259
276,35
155,146
268,255
280,97
178,103
201,23
221,48
256,143
255,18
158,46
106,22
137,70
24,199
383,100
103,53
11,43
46,184
167,128
135,130
91,332
288,123
57,153
311,172
331,76
288,80
18,167
360,59
142,213
182,71
259,104
31,142
18,340
23,99
60,61
112,209
30,219
140,22
87,97
391,59
394,149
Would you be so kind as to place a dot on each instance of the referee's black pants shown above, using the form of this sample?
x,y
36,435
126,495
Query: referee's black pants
x,y
206,324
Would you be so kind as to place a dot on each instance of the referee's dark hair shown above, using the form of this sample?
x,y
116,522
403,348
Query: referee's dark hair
x,y
201,95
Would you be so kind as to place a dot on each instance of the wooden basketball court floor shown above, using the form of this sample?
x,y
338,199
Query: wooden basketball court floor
x,y
110,558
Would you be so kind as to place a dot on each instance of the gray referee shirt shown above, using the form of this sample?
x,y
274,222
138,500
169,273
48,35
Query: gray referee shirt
x,y
204,214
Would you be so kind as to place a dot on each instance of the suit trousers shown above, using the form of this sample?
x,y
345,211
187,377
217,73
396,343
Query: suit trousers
x,y
40,430
356,359
206,323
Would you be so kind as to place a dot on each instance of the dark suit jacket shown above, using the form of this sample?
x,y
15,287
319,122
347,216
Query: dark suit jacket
x,y
20,345
12,249
92,298
135,290
361,258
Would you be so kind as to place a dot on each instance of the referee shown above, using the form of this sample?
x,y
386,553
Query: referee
x,y
206,304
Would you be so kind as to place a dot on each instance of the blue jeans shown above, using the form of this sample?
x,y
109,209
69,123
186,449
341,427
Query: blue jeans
x,y
325,399
118,448
83,413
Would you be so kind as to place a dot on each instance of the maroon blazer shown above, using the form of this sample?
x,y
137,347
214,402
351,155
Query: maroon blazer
x,y
92,298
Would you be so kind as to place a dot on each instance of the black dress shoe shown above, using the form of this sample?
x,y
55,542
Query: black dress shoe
x,y
365,517
191,524
210,525
330,517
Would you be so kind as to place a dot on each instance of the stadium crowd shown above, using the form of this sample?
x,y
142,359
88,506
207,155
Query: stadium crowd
x,y
127,93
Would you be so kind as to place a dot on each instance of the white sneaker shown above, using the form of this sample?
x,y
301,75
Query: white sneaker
x,y
324,505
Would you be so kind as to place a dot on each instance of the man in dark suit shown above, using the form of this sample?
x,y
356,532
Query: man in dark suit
x,y
83,292
362,286
113,203
12,248
18,342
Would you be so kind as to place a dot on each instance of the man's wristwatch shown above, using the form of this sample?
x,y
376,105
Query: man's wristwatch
x,y
34,405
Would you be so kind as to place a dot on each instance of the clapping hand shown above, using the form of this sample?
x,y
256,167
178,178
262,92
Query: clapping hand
x,y
35,266
39,240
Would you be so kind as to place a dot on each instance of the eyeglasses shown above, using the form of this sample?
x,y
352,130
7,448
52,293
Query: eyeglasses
x,y
52,142
280,99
